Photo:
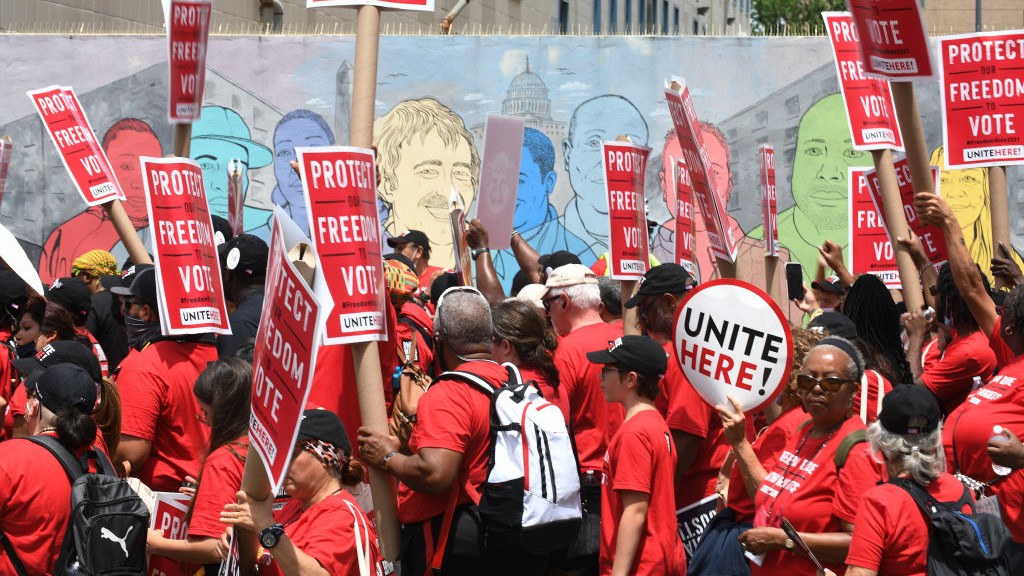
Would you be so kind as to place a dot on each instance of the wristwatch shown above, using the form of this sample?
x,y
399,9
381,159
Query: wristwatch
x,y
271,535
789,544
478,251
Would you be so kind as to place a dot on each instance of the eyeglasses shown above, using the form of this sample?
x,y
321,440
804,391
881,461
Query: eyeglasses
x,y
610,368
830,384
547,302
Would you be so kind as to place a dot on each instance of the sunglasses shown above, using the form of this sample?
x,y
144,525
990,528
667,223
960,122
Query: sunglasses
x,y
830,384
547,302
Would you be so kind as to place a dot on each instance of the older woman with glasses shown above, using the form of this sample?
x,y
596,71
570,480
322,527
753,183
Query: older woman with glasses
x,y
819,478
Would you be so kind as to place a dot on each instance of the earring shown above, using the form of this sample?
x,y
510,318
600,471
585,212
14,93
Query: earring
x,y
1008,330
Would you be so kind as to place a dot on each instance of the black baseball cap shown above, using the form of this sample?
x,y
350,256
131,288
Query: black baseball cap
x,y
246,254
221,230
640,354
13,293
834,324
65,386
415,236
60,352
662,279
324,425
910,409
557,260
138,281
72,294
831,284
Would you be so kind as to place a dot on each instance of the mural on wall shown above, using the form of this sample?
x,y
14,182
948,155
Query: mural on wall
x,y
267,96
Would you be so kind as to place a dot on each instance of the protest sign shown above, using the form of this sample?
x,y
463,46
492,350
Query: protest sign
x,y
870,250
187,34
17,260
625,164
190,292
685,240
769,210
692,519
869,107
893,42
6,151
285,353
982,87
731,339
420,5
236,198
169,516
684,118
83,157
340,186
498,201
932,239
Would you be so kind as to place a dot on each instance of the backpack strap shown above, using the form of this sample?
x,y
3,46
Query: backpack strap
x,y
434,565
928,504
73,467
469,377
847,444
19,568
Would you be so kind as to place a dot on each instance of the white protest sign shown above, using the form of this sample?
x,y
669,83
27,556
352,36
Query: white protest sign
x,y
14,255
499,178
732,339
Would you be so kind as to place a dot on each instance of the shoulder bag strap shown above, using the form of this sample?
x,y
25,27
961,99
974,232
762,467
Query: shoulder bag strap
x,y
446,527
19,568
864,398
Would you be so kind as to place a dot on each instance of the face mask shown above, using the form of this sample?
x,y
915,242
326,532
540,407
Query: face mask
x,y
26,350
139,331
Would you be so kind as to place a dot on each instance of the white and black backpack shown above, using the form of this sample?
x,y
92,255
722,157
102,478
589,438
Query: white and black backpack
x,y
530,501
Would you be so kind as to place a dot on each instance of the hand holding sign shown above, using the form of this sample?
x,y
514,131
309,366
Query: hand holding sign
x,y
730,338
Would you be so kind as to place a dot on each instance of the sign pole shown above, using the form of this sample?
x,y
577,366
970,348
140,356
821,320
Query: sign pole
x,y
364,354
771,280
999,203
129,236
182,139
726,269
913,136
896,221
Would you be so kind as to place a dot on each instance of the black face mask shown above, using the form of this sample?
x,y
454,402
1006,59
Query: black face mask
x,y
139,331
26,350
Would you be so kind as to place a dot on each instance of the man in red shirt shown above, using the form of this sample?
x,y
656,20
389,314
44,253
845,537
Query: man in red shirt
x,y
161,436
415,246
447,460
696,428
638,534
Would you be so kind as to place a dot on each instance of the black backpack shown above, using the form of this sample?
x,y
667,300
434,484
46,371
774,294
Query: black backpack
x,y
108,524
959,544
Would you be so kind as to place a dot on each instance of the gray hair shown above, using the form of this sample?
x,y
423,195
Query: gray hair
x,y
919,455
464,320
582,295
611,294
855,364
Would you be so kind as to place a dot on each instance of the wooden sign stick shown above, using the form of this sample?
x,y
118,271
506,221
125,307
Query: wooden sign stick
x,y
999,204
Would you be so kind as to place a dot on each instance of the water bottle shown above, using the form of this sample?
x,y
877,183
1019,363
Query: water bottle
x,y
1000,435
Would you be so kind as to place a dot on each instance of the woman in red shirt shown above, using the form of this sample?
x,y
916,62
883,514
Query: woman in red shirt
x,y
890,534
522,337
222,391
805,486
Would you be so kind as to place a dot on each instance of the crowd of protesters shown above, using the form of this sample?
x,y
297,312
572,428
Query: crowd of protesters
x,y
876,393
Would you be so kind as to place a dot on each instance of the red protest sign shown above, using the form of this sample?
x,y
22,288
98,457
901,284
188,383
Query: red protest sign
x,y
685,227
6,151
684,117
187,37
236,198
285,353
189,288
339,183
769,210
932,238
869,108
982,87
624,166
170,517
893,42
75,140
420,5
870,249
731,338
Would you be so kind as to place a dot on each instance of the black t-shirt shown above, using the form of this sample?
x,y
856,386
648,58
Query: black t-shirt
x,y
107,325
245,321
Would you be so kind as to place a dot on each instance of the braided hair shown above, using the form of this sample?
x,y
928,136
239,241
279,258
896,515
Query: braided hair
x,y
945,288
873,311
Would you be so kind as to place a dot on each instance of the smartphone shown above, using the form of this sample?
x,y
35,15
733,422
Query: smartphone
x,y
795,281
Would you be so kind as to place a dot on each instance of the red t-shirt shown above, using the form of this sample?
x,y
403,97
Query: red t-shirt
x,y
222,477
1004,355
642,458
455,415
428,277
550,393
804,488
35,503
767,447
157,404
872,386
890,535
950,377
689,413
580,380
334,531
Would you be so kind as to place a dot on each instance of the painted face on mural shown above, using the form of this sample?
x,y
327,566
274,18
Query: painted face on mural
x,y
824,154
292,133
424,178
718,154
532,194
598,120
213,157
123,151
